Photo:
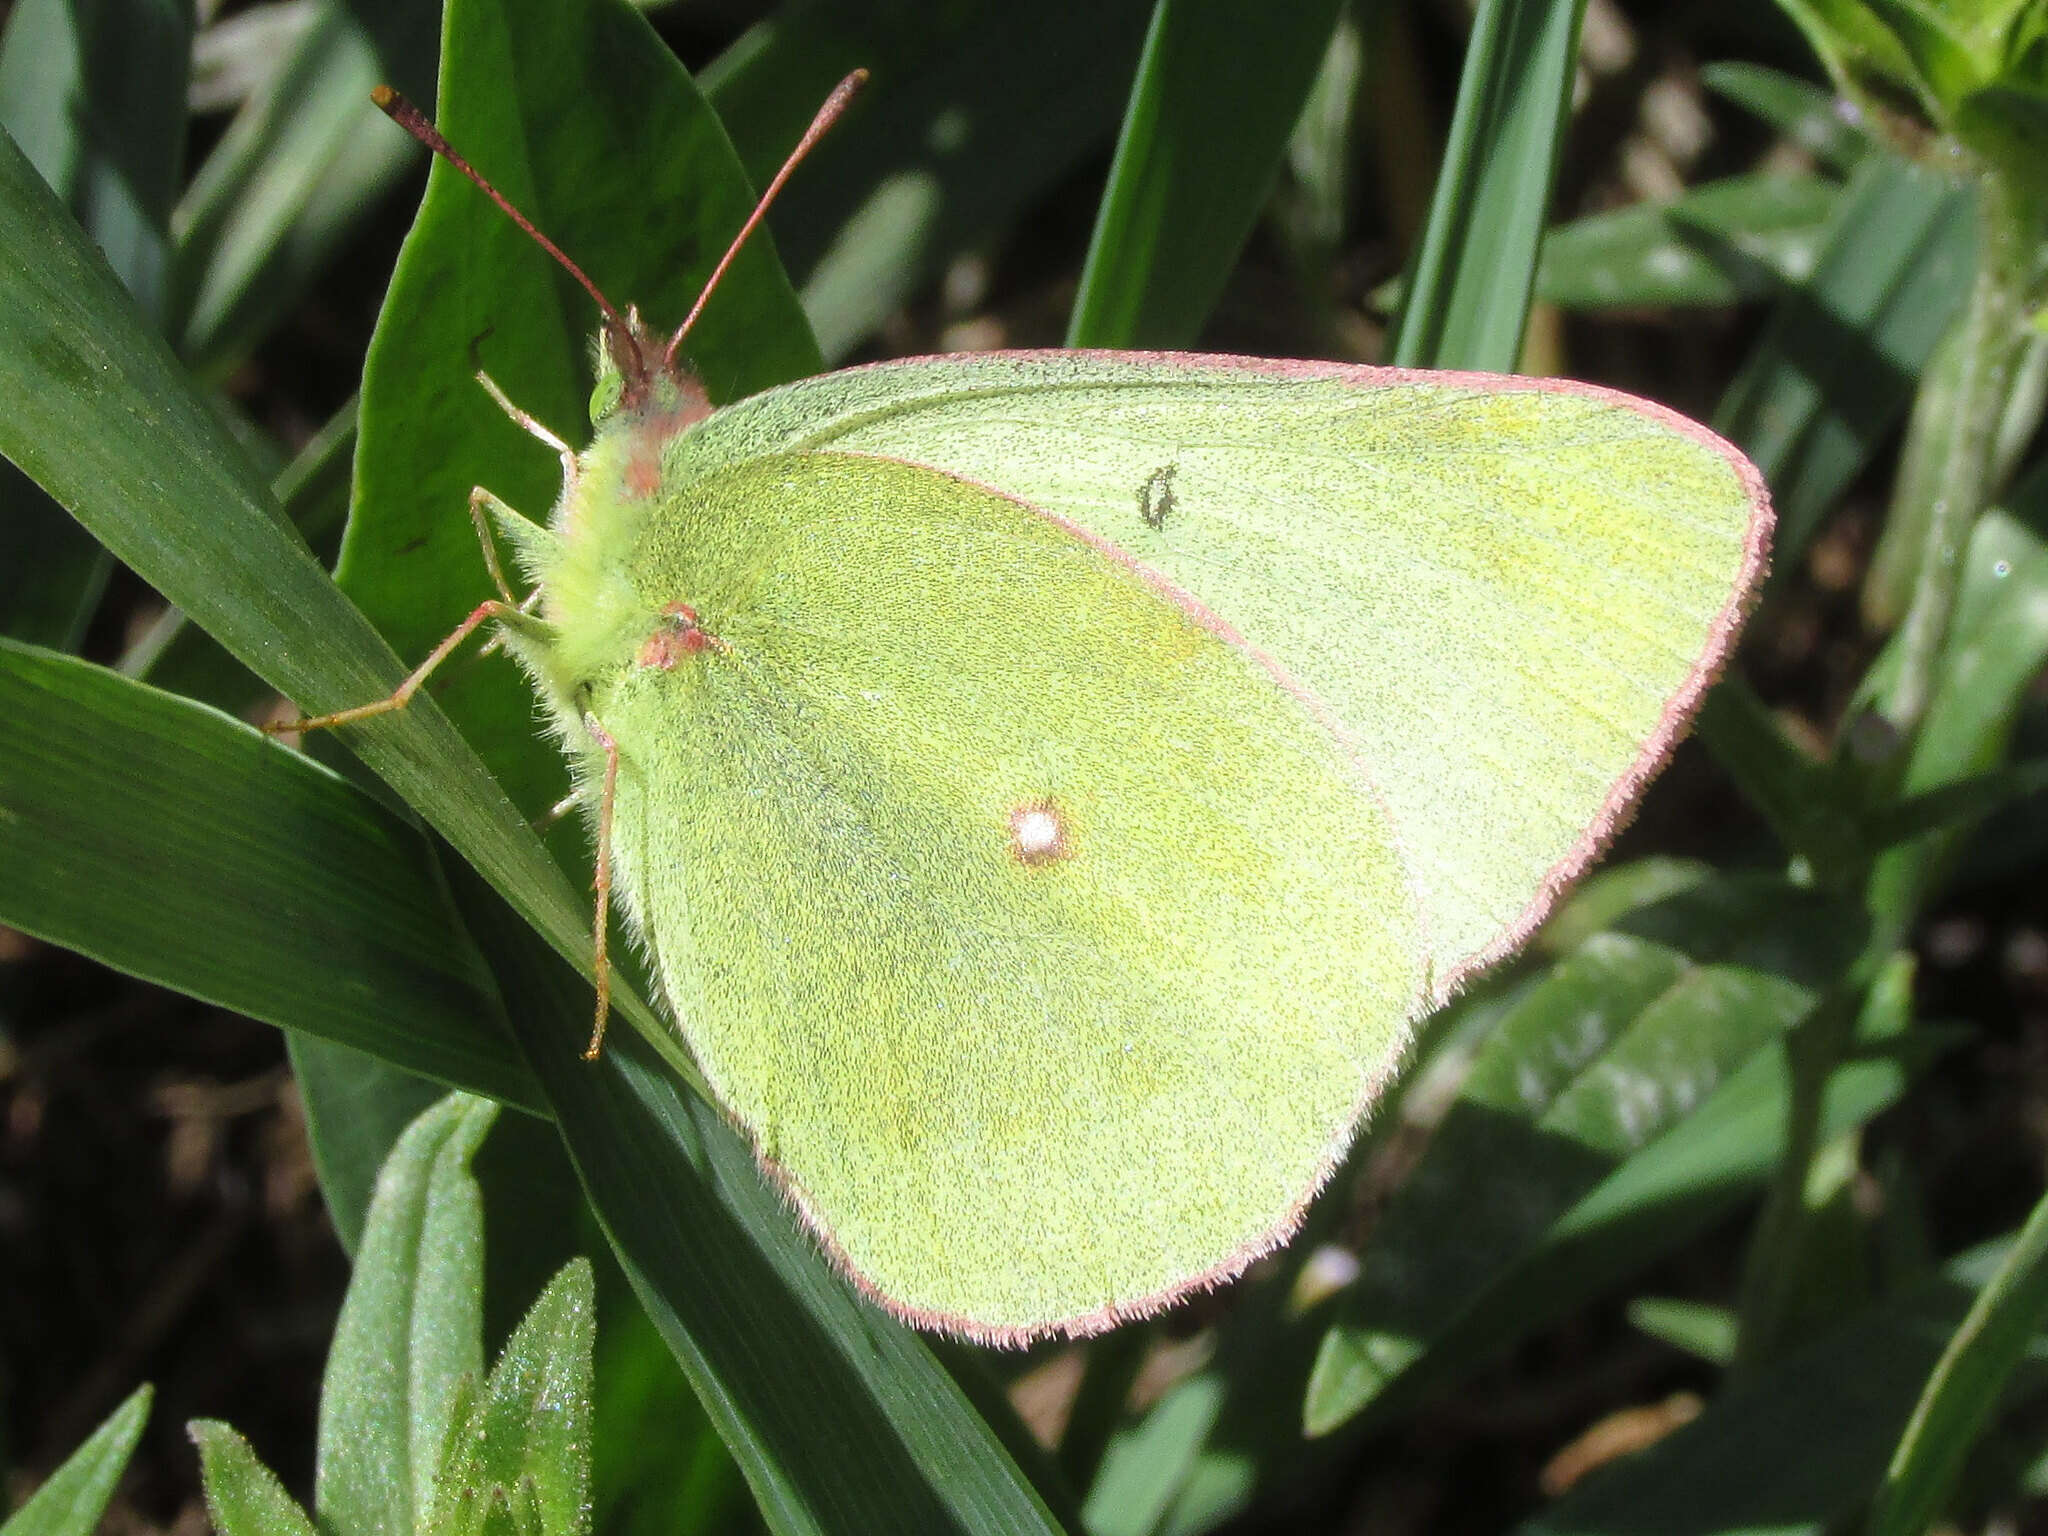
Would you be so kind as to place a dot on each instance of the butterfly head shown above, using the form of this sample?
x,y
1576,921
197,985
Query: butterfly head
x,y
639,375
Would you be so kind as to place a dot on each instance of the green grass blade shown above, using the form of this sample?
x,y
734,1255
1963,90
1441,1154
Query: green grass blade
x,y
170,842
922,171
1966,1385
1705,1332
1469,283
95,97
290,180
72,1499
105,420
1211,111
1835,368
411,1328
1996,646
683,1483
838,1416
177,655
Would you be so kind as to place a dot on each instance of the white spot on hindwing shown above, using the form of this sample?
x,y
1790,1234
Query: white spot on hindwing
x,y
1038,834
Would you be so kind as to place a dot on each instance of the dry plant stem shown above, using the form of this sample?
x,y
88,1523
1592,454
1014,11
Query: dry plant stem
x,y
402,695
1994,340
603,883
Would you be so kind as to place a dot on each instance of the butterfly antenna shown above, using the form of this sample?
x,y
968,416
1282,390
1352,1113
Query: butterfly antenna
x,y
830,113
414,122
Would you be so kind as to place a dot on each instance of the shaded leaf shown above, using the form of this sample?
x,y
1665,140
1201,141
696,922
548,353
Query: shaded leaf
x,y
1837,1405
938,160
1835,368
1622,1042
1744,237
168,841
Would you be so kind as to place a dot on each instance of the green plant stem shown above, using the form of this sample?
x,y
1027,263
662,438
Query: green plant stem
x,y
1771,1273
1774,1272
1993,341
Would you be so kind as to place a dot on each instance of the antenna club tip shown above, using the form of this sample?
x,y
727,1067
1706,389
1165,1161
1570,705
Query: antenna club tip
x,y
383,97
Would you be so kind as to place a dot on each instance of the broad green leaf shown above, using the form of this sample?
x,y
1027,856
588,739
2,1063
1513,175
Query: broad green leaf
x,y
520,1454
1797,1448
1895,562
287,185
95,97
410,1330
1994,1338
166,840
73,1497
1835,367
1619,1044
243,1496
1741,238
1803,112
104,419
1182,197
927,168
1469,284
1936,38
839,1416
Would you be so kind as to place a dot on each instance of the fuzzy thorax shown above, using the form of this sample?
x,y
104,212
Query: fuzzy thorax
x,y
599,617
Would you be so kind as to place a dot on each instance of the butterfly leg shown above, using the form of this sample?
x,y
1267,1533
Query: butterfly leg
x,y
526,423
482,502
603,882
402,695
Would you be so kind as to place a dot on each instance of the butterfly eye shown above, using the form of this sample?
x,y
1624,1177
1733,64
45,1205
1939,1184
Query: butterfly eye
x,y
604,399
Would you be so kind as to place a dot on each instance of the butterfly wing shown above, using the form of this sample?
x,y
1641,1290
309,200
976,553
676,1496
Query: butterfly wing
x,y
1048,946
1508,594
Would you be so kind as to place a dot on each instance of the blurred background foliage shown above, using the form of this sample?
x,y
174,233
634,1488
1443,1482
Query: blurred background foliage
x,y
1720,1210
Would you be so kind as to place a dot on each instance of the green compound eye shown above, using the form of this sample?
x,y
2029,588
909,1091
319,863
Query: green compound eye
x,y
604,398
